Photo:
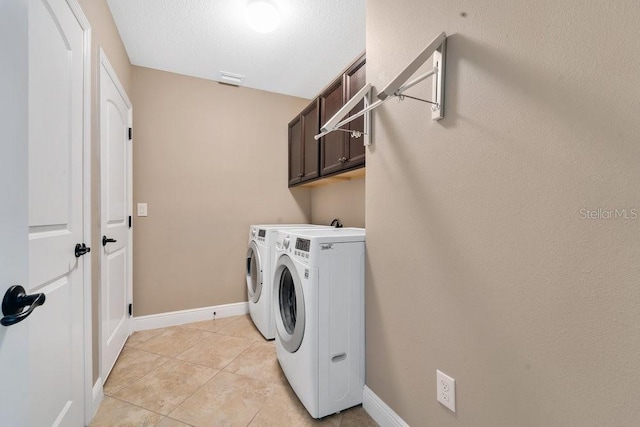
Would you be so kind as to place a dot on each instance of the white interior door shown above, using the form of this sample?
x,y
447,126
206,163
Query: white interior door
x,y
56,131
115,165
14,250
53,335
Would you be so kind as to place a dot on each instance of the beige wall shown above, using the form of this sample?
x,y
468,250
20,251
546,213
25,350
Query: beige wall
x,y
209,160
103,34
343,200
479,263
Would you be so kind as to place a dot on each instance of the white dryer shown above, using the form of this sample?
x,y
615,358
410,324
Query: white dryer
x,y
319,311
259,274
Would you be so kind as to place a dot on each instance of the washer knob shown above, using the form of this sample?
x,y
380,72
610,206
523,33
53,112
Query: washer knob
x,y
253,233
286,242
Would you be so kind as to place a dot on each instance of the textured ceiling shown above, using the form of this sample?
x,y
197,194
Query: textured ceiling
x,y
316,39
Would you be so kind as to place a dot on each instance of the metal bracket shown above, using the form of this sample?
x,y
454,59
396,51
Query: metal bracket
x,y
337,121
437,93
396,89
367,121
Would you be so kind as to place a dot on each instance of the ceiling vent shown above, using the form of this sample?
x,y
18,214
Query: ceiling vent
x,y
232,79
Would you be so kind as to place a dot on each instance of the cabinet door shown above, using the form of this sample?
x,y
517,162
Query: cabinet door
x,y
356,79
295,151
310,150
332,146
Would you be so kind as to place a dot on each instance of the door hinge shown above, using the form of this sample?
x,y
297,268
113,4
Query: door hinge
x,y
130,310
130,134
130,221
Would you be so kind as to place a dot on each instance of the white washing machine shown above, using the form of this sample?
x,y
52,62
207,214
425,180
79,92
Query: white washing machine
x,y
318,302
259,274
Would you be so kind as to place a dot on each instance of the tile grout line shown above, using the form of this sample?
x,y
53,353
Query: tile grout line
x,y
264,404
188,397
181,422
255,415
253,343
137,406
150,338
215,375
216,368
187,348
239,354
142,376
155,369
198,388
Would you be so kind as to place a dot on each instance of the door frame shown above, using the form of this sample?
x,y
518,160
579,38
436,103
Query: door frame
x,y
104,62
90,405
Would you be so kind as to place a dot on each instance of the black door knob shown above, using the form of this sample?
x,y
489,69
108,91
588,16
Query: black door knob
x,y
105,240
81,249
14,302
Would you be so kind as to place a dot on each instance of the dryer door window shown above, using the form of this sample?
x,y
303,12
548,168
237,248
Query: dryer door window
x,y
254,273
289,305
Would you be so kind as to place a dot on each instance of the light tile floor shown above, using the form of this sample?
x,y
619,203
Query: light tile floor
x,y
215,373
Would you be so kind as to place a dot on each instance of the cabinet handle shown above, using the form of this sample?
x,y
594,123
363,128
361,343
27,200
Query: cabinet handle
x,y
299,175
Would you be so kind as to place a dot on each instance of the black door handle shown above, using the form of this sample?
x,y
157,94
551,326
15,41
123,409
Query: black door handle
x,y
105,240
13,303
82,249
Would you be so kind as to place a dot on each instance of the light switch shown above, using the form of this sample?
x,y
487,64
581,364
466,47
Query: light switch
x,y
142,209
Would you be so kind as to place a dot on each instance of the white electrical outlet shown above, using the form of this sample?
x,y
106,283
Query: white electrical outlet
x,y
446,390
142,209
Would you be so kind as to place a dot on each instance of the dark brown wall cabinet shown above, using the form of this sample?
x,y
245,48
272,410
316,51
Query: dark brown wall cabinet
x,y
303,148
338,151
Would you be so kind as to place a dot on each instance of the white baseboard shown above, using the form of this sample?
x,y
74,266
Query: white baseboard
x,y
96,397
175,318
380,411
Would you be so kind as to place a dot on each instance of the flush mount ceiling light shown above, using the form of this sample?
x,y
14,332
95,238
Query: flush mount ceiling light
x,y
262,16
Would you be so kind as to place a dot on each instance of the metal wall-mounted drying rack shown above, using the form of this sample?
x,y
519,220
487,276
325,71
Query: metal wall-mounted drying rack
x,y
396,89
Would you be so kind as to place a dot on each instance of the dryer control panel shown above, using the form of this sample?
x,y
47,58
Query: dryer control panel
x,y
302,248
298,248
303,244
